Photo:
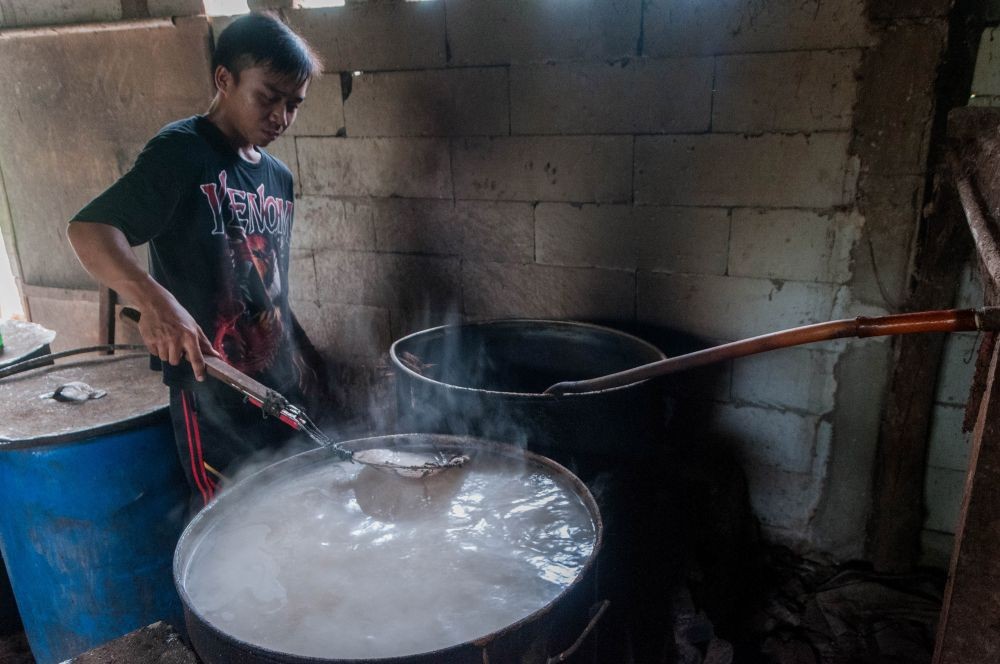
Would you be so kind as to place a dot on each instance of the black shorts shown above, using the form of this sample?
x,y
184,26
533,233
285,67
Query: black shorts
x,y
221,438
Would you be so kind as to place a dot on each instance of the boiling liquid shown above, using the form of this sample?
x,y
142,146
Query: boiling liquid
x,y
351,562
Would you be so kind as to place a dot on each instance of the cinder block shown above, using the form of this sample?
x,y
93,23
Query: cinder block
x,y
782,501
763,171
404,321
322,113
22,13
419,283
686,27
123,82
499,290
348,277
387,280
330,223
730,308
943,491
620,236
785,92
345,331
302,277
74,321
444,102
948,446
572,169
986,80
478,230
793,244
175,7
936,548
501,31
375,35
780,439
635,95
381,167
796,378
958,366
284,150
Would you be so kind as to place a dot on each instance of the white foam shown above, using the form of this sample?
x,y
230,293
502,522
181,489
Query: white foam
x,y
350,562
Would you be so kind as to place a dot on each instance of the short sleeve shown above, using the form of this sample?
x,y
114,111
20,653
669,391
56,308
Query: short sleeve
x,y
142,203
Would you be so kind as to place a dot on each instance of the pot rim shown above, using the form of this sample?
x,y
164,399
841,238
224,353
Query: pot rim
x,y
445,440
443,329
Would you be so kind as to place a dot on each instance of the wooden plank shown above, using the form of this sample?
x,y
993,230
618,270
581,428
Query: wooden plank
x,y
968,630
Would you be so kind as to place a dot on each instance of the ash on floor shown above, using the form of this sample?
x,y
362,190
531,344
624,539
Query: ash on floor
x,y
14,649
818,613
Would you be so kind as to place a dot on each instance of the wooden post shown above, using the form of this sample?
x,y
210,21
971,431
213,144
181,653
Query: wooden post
x,y
107,299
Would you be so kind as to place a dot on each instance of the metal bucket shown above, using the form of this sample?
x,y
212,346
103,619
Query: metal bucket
x,y
21,341
559,629
485,379
94,501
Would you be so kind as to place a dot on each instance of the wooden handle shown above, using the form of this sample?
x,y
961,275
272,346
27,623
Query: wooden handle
x,y
216,368
949,320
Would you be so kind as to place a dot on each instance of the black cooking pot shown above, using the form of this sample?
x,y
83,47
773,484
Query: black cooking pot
x,y
485,379
555,631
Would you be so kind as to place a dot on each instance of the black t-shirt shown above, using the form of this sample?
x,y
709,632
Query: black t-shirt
x,y
218,229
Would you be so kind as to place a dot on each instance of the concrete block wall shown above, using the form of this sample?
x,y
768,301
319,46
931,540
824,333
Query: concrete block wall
x,y
693,166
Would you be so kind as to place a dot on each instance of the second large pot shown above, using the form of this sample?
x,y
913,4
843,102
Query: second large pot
x,y
484,379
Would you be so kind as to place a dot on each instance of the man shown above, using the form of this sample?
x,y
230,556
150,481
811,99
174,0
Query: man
x,y
216,211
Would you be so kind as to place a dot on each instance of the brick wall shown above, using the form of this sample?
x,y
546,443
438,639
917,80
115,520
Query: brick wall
x,y
710,168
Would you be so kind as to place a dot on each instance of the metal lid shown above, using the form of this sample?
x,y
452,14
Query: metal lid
x,y
21,340
31,413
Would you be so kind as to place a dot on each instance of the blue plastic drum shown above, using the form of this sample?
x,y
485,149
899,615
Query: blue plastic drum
x,y
93,501
22,341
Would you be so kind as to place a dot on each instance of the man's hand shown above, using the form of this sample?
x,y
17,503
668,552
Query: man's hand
x,y
171,334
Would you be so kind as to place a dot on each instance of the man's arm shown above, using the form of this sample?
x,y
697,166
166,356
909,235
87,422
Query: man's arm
x,y
167,329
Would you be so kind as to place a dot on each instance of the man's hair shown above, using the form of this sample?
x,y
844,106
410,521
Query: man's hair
x,y
262,40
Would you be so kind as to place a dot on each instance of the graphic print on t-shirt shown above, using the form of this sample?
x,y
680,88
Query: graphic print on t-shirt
x,y
249,325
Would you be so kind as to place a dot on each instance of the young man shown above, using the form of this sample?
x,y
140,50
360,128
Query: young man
x,y
216,211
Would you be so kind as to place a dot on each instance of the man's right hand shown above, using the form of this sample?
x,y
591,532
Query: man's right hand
x,y
171,334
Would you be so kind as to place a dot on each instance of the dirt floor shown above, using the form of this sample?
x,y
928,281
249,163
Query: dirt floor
x,y
14,649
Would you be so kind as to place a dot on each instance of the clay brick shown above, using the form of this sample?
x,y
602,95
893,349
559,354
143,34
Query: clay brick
x,y
764,171
620,236
785,92
797,378
497,290
330,223
447,102
793,244
100,79
496,231
381,167
22,13
374,35
958,364
948,447
322,113
573,169
943,491
345,330
501,31
729,308
632,96
780,439
691,27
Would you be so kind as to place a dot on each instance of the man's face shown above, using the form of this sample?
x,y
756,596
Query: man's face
x,y
261,104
